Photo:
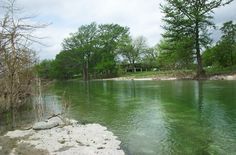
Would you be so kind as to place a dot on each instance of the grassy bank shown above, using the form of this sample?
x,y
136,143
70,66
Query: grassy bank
x,y
179,74
220,70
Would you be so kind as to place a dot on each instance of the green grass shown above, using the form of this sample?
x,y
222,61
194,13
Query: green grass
x,y
180,73
220,70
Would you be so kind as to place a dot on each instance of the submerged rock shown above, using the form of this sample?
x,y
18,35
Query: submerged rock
x,y
73,139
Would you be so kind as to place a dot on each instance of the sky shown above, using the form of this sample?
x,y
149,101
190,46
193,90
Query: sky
x,y
143,17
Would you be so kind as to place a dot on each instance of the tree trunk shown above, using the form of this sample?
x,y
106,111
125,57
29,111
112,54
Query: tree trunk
x,y
231,57
85,71
12,111
133,65
200,71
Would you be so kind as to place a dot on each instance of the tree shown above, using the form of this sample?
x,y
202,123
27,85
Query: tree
x,y
209,57
110,39
166,58
17,57
223,54
151,56
67,65
84,42
45,69
176,54
190,19
228,40
133,49
95,48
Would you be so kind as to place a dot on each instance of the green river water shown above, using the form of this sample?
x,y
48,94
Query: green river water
x,y
159,117
152,117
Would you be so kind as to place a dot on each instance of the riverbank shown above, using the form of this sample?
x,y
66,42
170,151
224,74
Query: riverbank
x,y
55,137
166,78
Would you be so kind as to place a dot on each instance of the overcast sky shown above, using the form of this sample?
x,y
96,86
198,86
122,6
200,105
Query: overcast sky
x,y
143,17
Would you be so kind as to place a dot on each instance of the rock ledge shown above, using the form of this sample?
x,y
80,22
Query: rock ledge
x,y
54,138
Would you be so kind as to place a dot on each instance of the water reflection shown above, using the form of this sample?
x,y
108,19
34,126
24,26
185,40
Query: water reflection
x,y
199,94
160,117
26,115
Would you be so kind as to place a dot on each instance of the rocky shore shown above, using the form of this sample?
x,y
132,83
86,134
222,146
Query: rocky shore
x,y
166,78
59,137
223,77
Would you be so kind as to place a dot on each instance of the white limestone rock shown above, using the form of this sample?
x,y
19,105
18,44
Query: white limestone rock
x,y
44,125
74,139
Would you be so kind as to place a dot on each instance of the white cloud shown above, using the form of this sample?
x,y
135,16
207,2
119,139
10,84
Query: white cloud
x,y
142,16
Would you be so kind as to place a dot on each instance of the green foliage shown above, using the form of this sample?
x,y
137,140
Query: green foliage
x,y
186,25
66,65
81,45
151,56
133,50
223,54
228,43
209,57
167,57
176,55
110,38
216,70
91,51
45,69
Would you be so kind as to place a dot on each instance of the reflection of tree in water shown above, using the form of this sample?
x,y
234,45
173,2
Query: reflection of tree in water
x,y
87,90
180,112
134,89
216,101
203,129
199,88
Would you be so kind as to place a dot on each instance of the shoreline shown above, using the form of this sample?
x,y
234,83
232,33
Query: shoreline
x,y
55,137
166,78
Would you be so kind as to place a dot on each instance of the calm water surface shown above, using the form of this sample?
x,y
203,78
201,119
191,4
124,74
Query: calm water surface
x,y
159,117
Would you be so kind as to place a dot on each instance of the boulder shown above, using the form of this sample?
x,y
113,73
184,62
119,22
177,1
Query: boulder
x,y
45,125
50,123
56,120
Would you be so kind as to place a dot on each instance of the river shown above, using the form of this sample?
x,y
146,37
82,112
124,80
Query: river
x,y
157,117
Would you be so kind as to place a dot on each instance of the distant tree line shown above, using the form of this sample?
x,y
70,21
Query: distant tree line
x,y
100,51
97,51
